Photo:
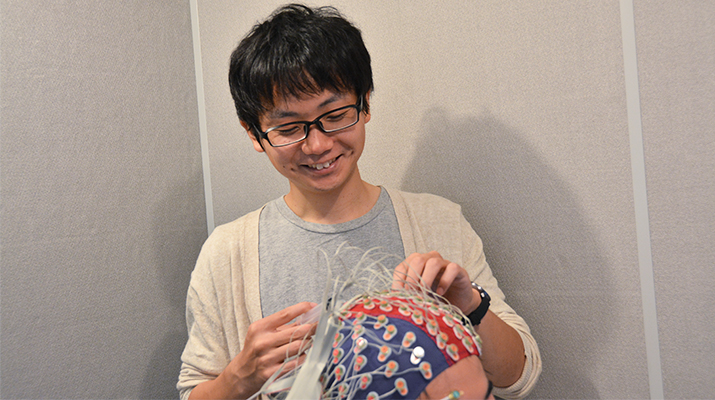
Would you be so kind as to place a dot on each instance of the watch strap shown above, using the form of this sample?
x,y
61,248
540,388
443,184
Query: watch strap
x,y
475,317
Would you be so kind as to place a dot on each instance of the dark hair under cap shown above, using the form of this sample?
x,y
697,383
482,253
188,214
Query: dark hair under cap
x,y
297,51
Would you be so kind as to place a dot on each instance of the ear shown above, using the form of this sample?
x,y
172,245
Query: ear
x,y
367,103
256,143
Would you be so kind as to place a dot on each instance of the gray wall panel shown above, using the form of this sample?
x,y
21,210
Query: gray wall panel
x,y
541,167
102,204
242,179
676,57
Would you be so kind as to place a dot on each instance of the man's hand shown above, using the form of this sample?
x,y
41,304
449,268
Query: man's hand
x,y
503,350
445,278
269,342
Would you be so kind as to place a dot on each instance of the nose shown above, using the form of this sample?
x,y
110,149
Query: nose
x,y
317,142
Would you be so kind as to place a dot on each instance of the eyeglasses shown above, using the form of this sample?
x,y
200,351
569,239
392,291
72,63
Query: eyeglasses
x,y
294,132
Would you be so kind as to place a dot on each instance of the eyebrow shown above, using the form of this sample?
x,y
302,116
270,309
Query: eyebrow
x,y
278,113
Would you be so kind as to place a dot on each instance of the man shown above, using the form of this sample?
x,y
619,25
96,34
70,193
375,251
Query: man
x,y
301,83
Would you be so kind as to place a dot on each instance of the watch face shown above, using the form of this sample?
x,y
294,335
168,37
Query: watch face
x,y
481,291
485,295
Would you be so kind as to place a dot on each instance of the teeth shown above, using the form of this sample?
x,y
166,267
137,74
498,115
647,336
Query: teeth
x,y
321,166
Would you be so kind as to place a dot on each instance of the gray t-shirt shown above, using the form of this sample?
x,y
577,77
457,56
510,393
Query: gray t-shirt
x,y
292,268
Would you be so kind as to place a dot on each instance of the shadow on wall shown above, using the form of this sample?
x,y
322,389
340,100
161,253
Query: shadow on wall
x,y
180,230
539,246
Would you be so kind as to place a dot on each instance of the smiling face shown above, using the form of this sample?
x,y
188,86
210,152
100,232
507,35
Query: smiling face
x,y
323,162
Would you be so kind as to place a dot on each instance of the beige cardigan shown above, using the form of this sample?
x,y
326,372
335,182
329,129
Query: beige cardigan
x,y
223,298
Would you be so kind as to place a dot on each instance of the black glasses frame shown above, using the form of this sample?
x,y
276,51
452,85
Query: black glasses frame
x,y
307,125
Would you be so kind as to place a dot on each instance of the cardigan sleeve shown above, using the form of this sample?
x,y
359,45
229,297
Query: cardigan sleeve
x,y
476,265
221,302
206,353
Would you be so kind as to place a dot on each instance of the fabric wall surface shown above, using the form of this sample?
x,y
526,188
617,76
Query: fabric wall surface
x,y
517,110
676,53
102,198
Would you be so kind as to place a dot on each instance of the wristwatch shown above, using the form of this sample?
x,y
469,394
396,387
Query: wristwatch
x,y
475,317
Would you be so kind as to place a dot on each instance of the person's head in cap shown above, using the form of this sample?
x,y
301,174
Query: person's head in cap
x,y
403,345
385,344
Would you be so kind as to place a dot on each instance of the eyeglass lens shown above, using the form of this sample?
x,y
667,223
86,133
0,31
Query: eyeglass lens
x,y
331,122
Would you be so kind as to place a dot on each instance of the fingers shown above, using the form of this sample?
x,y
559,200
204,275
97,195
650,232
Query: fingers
x,y
410,271
267,337
285,358
267,350
290,348
287,340
429,270
419,269
287,314
290,365
303,318
433,271
450,273
269,342
291,334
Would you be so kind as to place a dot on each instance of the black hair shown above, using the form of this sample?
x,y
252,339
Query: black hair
x,y
298,50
